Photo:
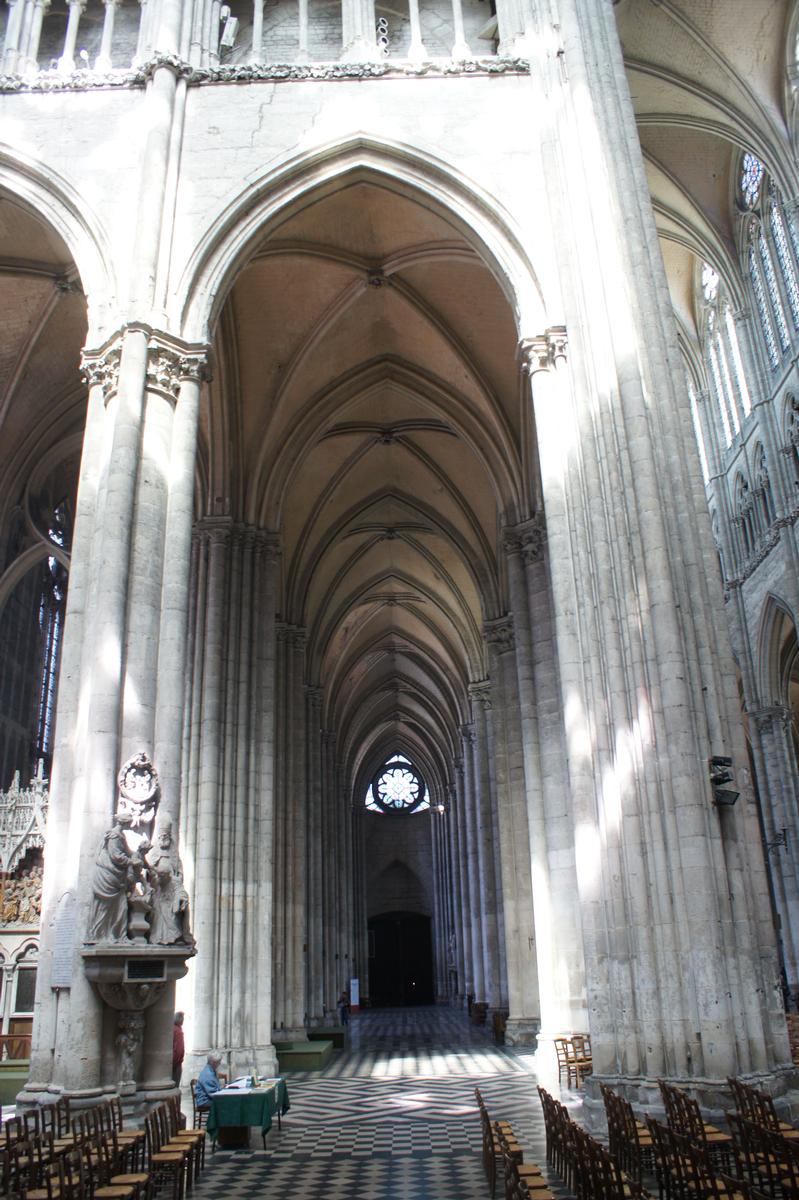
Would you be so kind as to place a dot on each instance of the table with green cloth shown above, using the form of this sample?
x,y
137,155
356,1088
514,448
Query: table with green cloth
x,y
240,1108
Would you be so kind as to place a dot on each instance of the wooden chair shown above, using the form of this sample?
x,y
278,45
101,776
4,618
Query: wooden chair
x,y
629,1140
132,1142
562,1052
168,1168
758,1106
684,1117
522,1180
599,1175
199,1116
492,1153
196,1138
769,1161
98,1169
707,1182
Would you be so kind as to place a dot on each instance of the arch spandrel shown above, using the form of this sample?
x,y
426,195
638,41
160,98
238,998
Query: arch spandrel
x,y
233,238
55,202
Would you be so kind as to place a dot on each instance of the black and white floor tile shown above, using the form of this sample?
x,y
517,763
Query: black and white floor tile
x,y
392,1117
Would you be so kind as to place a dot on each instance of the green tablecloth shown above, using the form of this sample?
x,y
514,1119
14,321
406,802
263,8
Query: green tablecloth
x,y
255,1107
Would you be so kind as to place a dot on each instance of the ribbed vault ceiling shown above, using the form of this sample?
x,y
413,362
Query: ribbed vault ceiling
x,y
708,79
370,381
42,399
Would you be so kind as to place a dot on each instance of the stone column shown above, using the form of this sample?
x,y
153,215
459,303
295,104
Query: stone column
x,y
11,44
462,860
772,745
257,51
455,932
317,848
480,694
229,795
292,833
33,33
358,31
524,1020
66,62
103,61
559,953
471,852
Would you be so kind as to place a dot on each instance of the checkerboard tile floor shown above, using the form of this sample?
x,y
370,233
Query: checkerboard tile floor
x,y
393,1117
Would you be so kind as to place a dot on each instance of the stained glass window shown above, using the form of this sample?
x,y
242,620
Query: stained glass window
x,y
762,309
710,282
773,291
787,271
397,787
751,179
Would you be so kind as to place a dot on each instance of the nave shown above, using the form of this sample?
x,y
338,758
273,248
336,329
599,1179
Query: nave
x,y
393,1116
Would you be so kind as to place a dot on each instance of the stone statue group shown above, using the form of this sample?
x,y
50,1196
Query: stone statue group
x,y
138,894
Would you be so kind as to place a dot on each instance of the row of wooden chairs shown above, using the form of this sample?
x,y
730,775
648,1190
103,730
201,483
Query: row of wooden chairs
x,y
523,1181
53,1152
589,1170
694,1160
575,1059
685,1118
687,1170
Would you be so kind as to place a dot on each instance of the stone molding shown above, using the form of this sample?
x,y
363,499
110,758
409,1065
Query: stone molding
x,y
88,80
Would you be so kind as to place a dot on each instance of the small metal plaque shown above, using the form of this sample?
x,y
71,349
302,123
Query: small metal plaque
x,y
145,970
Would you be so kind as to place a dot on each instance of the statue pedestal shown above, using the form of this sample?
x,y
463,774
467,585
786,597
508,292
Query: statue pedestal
x,y
136,982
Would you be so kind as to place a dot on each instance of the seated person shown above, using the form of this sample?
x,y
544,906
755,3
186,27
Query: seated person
x,y
207,1082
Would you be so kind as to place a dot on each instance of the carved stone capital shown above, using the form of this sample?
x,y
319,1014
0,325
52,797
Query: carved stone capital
x,y
314,695
500,635
169,362
480,692
467,734
527,539
534,354
544,351
101,369
771,718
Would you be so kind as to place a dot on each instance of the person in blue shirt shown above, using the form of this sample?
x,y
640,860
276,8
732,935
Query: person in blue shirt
x,y
207,1082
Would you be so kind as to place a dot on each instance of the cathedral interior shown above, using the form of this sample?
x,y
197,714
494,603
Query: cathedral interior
x,y
399,448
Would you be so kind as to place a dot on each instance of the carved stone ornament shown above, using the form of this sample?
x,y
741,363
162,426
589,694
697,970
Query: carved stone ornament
x,y
88,80
500,635
101,369
168,365
129,1041
480,693
139,791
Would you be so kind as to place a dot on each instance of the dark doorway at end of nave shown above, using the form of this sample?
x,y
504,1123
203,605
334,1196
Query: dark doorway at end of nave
x,y
400,960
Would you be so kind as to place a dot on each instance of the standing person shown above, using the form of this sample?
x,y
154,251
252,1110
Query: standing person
x,y
178,1049
344,1008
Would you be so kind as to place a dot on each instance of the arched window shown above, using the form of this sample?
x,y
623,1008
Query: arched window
x,y
777,225
397,787
791,447
722,354
763,490
771,257
745,516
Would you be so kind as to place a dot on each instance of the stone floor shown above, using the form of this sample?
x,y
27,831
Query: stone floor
x,y
392,1117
